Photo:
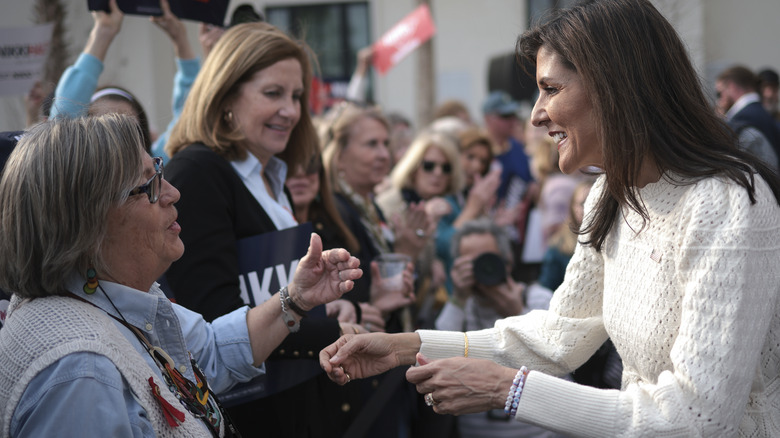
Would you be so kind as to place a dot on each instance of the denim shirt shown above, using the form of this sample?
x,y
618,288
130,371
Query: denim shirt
x,y
83,394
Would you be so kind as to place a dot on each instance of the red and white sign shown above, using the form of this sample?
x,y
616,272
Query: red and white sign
x,y
415,29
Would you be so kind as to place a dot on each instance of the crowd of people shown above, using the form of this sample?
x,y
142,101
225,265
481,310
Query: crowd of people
x,y
600,266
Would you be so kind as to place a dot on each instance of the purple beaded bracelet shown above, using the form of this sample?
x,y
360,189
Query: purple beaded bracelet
x,y
515,391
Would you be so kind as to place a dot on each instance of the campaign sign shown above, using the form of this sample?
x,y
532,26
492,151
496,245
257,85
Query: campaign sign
x,y
266,263
401,40
23,53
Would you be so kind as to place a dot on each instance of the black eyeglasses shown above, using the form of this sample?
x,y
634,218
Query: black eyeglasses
x,y
152,187
429,166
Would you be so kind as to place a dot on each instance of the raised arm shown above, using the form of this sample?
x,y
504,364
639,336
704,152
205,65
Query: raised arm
x,y
79,81
187,68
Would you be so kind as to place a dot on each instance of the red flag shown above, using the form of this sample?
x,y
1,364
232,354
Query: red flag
x,y
415,29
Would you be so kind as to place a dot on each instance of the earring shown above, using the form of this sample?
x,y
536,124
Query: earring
x,y
92,283
228,116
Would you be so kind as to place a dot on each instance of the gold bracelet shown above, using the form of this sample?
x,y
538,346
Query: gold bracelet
x,y
466,345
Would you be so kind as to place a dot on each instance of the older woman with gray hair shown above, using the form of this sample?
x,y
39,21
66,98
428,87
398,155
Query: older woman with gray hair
x,y
91,345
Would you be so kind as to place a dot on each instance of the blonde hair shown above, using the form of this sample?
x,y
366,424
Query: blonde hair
x,y
544,158
402,176
56,191
565,238
337,135
241,52
451,108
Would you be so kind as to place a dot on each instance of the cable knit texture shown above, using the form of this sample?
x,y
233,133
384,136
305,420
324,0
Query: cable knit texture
x,y
690,301
41,331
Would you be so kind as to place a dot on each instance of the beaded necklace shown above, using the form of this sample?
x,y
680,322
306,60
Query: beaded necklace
x,y
196,397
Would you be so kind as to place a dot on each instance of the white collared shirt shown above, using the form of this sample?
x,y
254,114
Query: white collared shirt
x,y
742,102
279,209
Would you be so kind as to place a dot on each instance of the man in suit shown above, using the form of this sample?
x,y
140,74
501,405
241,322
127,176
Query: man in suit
x,y
738,99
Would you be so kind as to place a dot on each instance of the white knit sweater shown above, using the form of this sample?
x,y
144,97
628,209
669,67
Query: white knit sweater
x,y
690,302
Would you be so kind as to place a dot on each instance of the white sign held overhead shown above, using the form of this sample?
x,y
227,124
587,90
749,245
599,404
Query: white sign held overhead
x,y
23,53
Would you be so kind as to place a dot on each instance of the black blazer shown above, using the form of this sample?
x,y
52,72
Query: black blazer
x,y
215,211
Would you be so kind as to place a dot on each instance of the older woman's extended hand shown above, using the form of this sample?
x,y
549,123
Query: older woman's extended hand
x,y
323,276
461,385
366,355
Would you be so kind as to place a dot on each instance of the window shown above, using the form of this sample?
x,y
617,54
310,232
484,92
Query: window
x,y
334,31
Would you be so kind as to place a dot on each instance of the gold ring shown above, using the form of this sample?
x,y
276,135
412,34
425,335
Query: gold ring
x,y
349,379
429,399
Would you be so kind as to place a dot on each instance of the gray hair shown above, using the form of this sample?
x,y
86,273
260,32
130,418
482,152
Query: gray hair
x,y
483,225
56,192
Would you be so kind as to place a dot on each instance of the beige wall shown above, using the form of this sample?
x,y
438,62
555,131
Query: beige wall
x,y
742,32
718,33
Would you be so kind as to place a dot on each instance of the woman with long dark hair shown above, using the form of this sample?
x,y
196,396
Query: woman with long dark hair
x,y
676,263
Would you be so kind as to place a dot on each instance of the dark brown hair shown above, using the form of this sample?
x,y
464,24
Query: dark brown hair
x,y
113,93
648,99
741,76
324,206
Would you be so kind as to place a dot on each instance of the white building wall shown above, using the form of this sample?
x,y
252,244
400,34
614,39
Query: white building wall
x,y
718,33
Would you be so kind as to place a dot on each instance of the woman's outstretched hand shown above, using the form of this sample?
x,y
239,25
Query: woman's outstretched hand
x,y
366,355
462,385
323,276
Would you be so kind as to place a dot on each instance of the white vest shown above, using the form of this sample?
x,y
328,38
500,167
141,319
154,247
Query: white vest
x,y
39,332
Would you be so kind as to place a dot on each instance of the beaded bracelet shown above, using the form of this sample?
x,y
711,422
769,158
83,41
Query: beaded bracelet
x,y
515,391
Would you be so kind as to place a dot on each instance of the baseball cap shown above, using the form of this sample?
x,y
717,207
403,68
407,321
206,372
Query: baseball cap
x,y
501,103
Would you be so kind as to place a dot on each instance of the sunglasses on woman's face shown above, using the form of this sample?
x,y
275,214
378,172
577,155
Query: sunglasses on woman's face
x,y
429,167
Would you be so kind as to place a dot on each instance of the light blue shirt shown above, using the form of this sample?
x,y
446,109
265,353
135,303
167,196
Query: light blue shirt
x,y
250,171
80,394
